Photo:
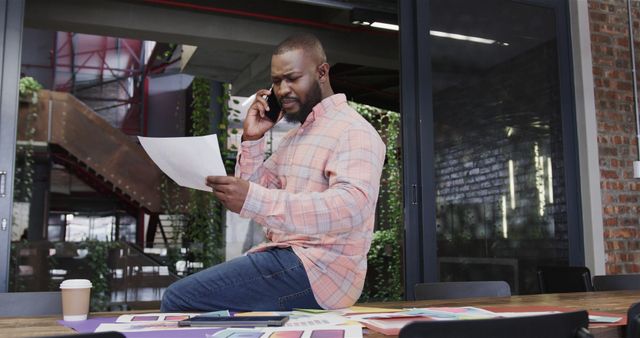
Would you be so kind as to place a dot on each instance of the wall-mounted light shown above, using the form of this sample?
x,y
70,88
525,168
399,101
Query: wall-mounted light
x,y
504,217
512,185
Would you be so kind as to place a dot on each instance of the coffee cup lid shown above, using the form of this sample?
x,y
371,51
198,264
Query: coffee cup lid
x,y
75,284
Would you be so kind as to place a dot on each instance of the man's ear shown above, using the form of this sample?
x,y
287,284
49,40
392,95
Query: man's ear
x,y
323,72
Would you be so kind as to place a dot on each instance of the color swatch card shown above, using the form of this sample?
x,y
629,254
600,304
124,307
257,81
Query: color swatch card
x,y
154,317
329,331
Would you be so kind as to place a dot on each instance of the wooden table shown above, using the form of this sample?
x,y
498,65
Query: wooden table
x,y
610,301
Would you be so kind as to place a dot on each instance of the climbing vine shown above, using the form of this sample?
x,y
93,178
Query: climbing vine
x,y
200,219
384,276
205,216
99,271
23,180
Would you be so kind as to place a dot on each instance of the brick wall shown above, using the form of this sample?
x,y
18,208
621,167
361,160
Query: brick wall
x,y
616,130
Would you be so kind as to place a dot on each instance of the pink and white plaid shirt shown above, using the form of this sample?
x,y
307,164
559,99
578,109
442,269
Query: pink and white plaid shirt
x,y
317,194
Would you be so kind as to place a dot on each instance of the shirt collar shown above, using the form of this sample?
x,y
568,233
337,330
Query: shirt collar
x,y
327,104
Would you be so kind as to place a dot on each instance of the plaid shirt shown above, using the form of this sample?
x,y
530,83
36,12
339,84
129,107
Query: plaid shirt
x,y
317,194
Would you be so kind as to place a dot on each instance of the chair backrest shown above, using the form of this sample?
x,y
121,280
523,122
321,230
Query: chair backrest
x,y
558,279
451,290
616,282
31,303
633,321
559,325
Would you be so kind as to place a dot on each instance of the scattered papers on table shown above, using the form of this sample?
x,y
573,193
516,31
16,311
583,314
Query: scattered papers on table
x,y
300,325
155,317
301,318
316,320
145,327
366,309
390,323
525,314
604,319
312,310
347,331
345,323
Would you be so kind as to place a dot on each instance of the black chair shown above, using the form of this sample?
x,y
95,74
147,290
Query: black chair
x,y
559,279
616,282
633,321
30,303
559,325
452,290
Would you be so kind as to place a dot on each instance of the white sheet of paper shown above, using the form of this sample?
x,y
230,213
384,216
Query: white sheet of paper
x,y
187,160
312,320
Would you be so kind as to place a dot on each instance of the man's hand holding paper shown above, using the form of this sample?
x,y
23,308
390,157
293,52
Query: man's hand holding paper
x,y
231,191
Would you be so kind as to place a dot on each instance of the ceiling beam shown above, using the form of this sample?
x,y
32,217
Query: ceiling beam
x,y
211,33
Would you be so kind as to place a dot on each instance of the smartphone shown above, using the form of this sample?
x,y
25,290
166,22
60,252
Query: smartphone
x,y
249,321
274,107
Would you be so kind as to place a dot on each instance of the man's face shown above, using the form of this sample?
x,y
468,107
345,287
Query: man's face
x,y
295,83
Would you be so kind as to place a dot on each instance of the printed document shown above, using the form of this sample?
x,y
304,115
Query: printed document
x,y
187,160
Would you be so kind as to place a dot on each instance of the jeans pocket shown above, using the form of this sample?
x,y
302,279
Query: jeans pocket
x,y
301,300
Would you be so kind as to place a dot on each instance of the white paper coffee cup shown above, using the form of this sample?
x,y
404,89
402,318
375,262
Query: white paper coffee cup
x,y
76,296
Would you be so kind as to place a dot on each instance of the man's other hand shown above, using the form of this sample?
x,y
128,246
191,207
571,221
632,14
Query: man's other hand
x,y
231,191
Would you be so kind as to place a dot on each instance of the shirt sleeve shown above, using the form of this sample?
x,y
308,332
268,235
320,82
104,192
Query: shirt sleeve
x,y
353,171
249,164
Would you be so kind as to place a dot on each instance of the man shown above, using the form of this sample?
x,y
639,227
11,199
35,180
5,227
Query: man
x,y
315,198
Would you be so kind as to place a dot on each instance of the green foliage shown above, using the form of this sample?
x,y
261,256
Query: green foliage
x,y
23,179
29,88
384,276
98,252
203,227
172,205
14,264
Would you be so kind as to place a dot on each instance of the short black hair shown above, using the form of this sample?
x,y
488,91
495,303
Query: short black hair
x,y
305,41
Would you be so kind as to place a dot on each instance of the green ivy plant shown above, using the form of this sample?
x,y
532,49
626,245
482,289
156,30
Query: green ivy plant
x,y
384,276
98,252
23,179
174,207
202,230
28,90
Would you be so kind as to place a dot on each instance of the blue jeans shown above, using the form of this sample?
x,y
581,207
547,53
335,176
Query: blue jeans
x,y
274,280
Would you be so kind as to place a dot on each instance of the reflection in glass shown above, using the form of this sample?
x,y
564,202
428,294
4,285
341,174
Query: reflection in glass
x,y
498,142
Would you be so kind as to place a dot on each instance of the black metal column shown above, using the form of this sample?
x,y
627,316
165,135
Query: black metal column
x,y
39,206
420,259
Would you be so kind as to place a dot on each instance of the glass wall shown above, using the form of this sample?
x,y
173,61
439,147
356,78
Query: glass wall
x,y
499,171
83,184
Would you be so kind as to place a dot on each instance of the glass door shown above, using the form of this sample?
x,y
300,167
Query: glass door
x,y
497,183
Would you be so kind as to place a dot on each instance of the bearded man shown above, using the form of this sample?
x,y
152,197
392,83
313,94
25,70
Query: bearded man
x,y
315,198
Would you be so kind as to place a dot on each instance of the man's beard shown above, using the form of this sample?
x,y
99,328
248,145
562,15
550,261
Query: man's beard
x,y
313,98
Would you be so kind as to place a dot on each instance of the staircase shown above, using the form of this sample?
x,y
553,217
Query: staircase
x,y
138,280
170,231
103,156
135,280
